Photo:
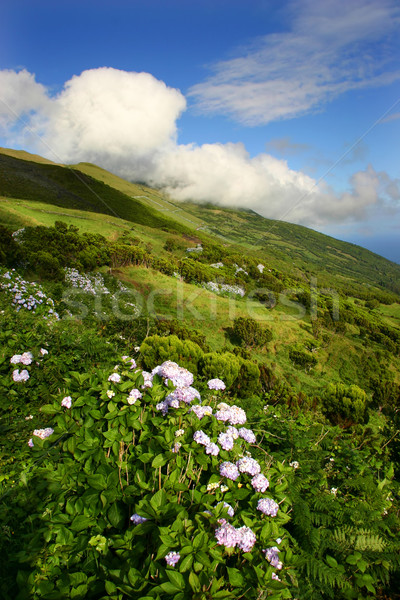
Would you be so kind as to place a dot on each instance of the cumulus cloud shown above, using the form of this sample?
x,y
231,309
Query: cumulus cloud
x,y
103,114
20,96
127,122
330,48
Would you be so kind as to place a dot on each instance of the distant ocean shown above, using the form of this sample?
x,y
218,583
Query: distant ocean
x,y
385,245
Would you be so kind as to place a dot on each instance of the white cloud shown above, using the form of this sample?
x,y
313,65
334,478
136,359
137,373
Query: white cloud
x,y
104,115
20,95
332,47
127,122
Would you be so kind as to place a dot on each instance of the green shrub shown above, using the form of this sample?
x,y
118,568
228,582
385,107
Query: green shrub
x,y
302,358
345,405
250,333
157,349
222,366
248,380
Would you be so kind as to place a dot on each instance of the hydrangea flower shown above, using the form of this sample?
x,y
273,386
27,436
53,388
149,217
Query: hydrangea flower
x,y
268,507
137,519
23,376
247,538
110,394
26,358
179,432
30,443
201,438
260,483
212,486
43,433
224,488
229,470
294,464
163,407
176,447
216,384
185,395
212,449
248,465
134,396
66,402
247,435
271,554
115,377
43,351
201,411
227,535
229,508
148,379
233,432
226,441
172,558
233,414
16,359
171,371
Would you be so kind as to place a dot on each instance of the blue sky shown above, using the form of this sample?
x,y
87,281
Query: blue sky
x,y
289,108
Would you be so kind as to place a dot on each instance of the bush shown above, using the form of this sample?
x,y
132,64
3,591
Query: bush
x,y
222,366
157,349
302,358
345,405
250,333
248,380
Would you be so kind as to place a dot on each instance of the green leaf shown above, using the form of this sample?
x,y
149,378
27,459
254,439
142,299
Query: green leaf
x,y
331,561
194,582
81,522
235,577
159,461
169,588
98,481
186,563
158,500
49,409
199,541
146,457
116,515
176,579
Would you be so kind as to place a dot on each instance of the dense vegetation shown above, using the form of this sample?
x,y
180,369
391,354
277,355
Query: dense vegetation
x,y
119,479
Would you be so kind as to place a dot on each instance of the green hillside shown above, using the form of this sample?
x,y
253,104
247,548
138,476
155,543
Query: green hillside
x,y
118,478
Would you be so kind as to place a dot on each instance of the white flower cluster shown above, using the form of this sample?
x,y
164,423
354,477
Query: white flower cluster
x,y
92,284
260,267
217,265
25,294
26,359
224,288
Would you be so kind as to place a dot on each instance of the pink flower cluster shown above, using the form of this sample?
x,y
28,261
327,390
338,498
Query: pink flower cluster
x,y
229,536
171,371
172,558
271,554
234,415
216,384
268,506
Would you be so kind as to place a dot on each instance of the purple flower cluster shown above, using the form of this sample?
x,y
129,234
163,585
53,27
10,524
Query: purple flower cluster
x,y
229,470
226,441
201,411
20,376
227,535
128,359
271,554
134,396
170,371
212,449
234,415
43,433
229,508
260,483
247,435
25,359
248,465
216,384
172,558
137,519
148,379
115,377
201,438
268,507
66,402
186,395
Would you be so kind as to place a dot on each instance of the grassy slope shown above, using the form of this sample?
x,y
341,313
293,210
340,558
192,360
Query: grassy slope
x,y
340,357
